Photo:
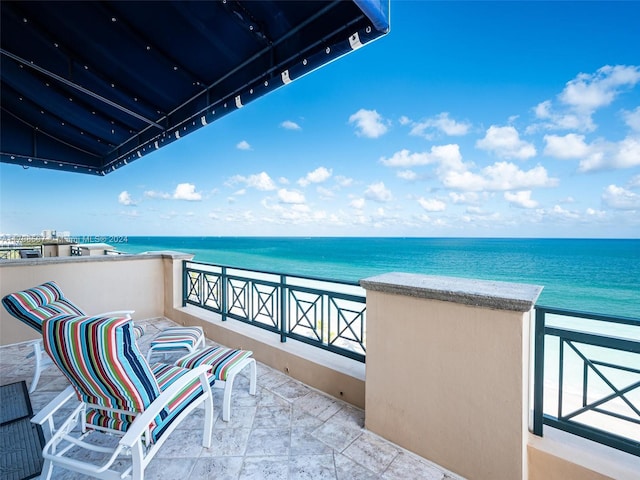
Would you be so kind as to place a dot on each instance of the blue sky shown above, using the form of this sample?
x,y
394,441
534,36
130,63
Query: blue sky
x,y
502,119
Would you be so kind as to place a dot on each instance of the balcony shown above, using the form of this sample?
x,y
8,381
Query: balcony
x,y
446,375
287,431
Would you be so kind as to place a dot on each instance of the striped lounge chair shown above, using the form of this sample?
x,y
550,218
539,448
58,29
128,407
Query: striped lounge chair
x,y
34,305
120,394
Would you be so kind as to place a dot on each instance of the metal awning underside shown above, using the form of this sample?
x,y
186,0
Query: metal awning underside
x,y
91,86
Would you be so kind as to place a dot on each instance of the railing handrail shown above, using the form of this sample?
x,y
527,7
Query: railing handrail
x,y
268,272
589,315
588,338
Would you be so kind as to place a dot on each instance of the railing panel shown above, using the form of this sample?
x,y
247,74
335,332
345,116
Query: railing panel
x,y
212,291
348,317
265,304
328,314
14,252
587,381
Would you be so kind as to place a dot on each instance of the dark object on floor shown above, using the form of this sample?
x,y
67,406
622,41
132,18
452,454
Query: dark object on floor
x,y
21,441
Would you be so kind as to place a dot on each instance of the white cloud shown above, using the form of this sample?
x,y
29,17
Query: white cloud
x,y
447,154
632,119
498,177
154,194
319,175
588,92
289,125
378,192
620,198
343,181
634,182
369,123
612,155
505,142
521,199
125,199
243,145
560,212
325,193
432,204
183,191
582,96
357,203
290,196
259,181
599,155
404,158
560,121
595,213
440,123
187,191
404,120
409,175
467,198
566,147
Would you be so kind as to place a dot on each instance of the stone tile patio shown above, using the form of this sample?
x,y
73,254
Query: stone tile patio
x,y
288,431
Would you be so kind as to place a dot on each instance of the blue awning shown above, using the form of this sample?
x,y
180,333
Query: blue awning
x,y
91,86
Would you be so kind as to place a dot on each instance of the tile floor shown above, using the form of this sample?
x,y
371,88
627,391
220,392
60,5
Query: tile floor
x,y
288,431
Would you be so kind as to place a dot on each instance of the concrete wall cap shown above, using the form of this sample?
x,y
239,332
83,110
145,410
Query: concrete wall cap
x,y
518,297
171,254
27,262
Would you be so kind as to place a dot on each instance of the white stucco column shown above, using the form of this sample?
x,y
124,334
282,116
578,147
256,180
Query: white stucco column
x,y
447,370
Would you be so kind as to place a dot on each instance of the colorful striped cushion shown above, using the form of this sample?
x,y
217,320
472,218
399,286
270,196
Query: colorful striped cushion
x,y
188,336
34,305
221,359
166,375
138,331
102,361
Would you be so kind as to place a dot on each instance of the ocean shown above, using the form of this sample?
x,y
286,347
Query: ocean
x,y
592,275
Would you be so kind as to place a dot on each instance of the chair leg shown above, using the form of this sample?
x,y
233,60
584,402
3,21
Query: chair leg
x,y
137,461
208,416
226,400
47,469
37,353
228,385
252,376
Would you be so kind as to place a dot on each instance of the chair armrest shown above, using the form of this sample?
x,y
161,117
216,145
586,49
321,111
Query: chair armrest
x,y
54,405
44,417
142,421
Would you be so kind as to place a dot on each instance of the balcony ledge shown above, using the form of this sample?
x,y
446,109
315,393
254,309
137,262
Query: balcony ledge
x,y
478,293
27,262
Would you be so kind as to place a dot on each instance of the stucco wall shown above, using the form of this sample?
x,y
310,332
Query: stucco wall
x,y
95,284
446,379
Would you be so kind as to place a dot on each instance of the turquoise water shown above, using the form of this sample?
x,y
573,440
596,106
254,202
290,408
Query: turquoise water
x,y
595,275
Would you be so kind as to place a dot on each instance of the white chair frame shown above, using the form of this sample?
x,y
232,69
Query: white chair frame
x,y
134,443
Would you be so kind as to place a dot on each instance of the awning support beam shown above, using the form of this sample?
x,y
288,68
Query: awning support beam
x,y
81,89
